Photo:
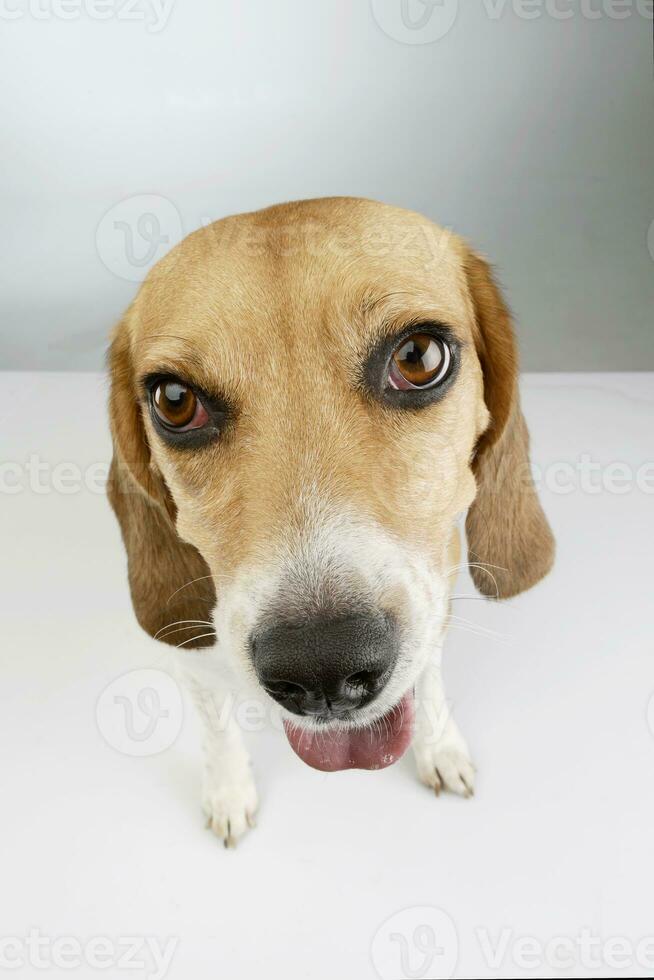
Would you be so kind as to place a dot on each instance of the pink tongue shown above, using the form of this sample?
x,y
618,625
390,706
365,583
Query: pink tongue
x,y
375,747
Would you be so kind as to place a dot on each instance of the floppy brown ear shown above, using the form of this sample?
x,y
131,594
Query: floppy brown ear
x,y
169,579
508,534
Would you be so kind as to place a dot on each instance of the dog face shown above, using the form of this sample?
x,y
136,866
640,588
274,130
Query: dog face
x,y
302,400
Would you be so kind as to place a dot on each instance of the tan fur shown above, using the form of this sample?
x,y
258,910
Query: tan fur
x,y
508,534
276,311
160,564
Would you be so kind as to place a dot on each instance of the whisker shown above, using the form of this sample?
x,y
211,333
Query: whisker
x,y
477,598
186,585
182,629
483,566
476,626
475,564
482,634
192,638
200,622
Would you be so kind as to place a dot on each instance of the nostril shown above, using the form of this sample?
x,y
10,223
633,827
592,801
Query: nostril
x,y
294,697
284,689
367,680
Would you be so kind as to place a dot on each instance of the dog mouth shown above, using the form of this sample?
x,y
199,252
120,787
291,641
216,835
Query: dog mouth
x,y
373,746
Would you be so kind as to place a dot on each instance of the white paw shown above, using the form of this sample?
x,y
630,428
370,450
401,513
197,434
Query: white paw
x,y
445,764
230,807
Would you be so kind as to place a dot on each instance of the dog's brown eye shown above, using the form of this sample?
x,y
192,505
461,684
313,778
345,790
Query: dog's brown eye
x,y
421,361
178,406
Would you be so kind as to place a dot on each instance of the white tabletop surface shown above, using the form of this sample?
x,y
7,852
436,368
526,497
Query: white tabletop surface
x,y
551,689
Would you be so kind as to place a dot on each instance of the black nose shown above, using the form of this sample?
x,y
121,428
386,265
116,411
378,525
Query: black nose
x,y
326,667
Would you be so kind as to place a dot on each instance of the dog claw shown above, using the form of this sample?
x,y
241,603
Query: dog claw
x,y
445,768
230,810
469,791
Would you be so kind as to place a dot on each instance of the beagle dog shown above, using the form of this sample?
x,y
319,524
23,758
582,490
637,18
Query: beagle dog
x,y
304,400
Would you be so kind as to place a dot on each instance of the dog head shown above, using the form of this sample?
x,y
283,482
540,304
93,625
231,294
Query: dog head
x,y
303,402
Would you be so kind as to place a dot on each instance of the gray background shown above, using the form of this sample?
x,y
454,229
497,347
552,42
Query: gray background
x,y
528,131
